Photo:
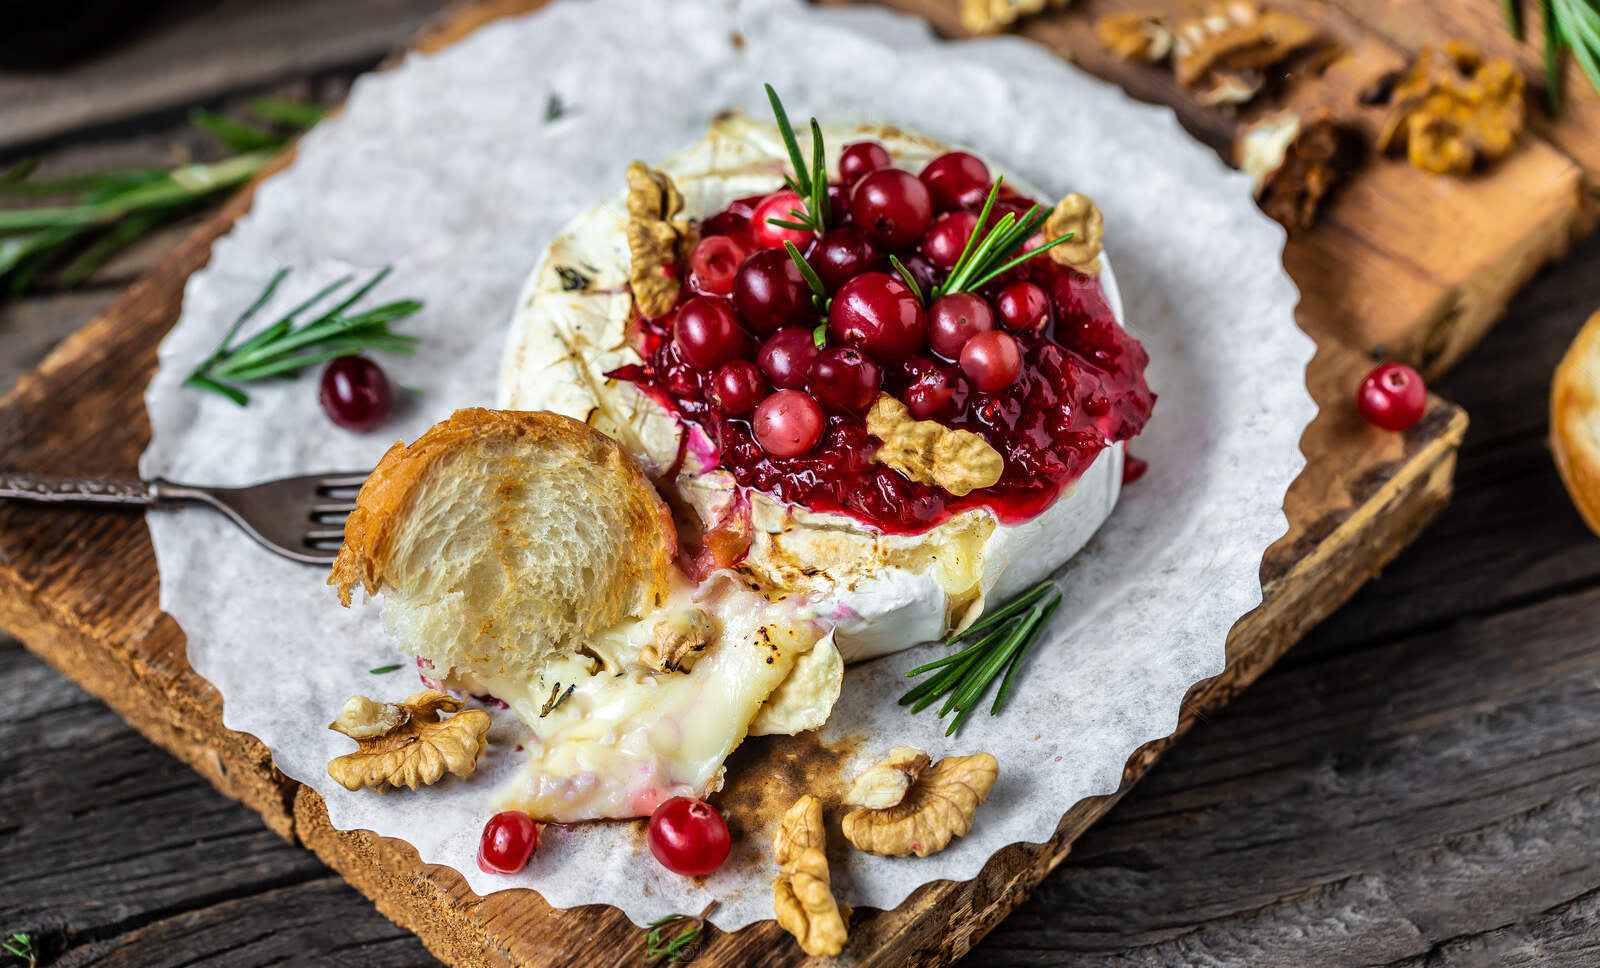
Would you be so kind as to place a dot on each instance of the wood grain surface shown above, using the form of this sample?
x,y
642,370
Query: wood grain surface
x,y
298,890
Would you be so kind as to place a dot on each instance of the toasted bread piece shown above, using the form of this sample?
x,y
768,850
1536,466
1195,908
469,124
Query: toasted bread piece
x,y
1575,421
499,538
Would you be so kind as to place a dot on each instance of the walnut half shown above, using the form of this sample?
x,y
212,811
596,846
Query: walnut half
x,y
993,16
407,744
657,240
1225,51
1077,216
1295,163
1136,35
802,894
928,452
1454,108
938,808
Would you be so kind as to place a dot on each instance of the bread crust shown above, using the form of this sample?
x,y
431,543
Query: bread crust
x,y
370,531
1574,415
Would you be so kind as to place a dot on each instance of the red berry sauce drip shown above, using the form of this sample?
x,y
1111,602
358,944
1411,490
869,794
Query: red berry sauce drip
x,y
1081,387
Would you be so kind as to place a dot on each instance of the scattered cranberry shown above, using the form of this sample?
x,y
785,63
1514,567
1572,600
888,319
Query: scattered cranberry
x,y
956,318
788,423
688,836
991,360
778,206
948,237
508,840
355,393
770,292
737,387
1133,468
786,357
861,158
713,263
1392,397
930,388
842,255
892,207
843,378
956,180
708,334
880,314
1022,306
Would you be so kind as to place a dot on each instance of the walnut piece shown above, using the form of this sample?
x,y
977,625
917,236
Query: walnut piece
x,y
928,452
1295,165
802,894
656,241
1225,51
1454,108
938,808
993,16
1136,35
680,638
1078,216
406,744
884,785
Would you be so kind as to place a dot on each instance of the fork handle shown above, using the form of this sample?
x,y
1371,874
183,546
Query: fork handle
x,y
55,489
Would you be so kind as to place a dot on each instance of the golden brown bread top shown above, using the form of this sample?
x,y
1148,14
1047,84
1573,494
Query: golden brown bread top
x,y
371,529
1575,421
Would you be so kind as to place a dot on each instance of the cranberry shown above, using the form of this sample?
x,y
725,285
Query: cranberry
x,y
956,318
842,255
770,292
957,180
688,836
1022,306
707,334
880,314
786,357
713,263
892,207
355,394
991,360
777,206
508,840
860,158
842,378
930,388
788,423
948,237
737,387
1392,397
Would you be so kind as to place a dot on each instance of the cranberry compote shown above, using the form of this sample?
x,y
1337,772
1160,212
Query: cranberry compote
x,y
1066,381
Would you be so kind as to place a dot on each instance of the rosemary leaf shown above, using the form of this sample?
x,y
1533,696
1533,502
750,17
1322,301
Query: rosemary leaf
x,y
802,177
806,271
384,670
236,135
909,279
294,114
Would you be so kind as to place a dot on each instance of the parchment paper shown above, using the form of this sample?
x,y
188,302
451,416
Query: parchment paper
x,y
447,169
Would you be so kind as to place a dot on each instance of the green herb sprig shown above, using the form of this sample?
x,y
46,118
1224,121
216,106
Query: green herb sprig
x,y
810,182
987,254
385,670
1569,25
673,938
20,944
284,348
109,210
999,641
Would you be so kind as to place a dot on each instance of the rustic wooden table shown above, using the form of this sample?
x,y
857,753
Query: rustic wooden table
x,y
1416,784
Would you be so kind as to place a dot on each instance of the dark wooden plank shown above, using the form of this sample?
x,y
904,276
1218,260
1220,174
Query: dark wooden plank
x,y
197,52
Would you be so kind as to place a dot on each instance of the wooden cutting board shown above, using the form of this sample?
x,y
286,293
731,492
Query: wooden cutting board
x,y
1401,259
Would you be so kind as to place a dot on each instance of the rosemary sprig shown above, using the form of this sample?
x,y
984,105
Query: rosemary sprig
x,y
998,642
1569,25
988,254
673,938
283,348
810,182
106,211
20,944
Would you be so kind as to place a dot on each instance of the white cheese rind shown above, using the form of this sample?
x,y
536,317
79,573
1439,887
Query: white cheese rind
x,y
882,592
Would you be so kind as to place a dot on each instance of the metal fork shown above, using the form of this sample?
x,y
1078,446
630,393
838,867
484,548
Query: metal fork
x,y
298,517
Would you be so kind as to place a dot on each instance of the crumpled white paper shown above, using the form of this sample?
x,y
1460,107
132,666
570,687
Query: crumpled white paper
x,y
448,169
